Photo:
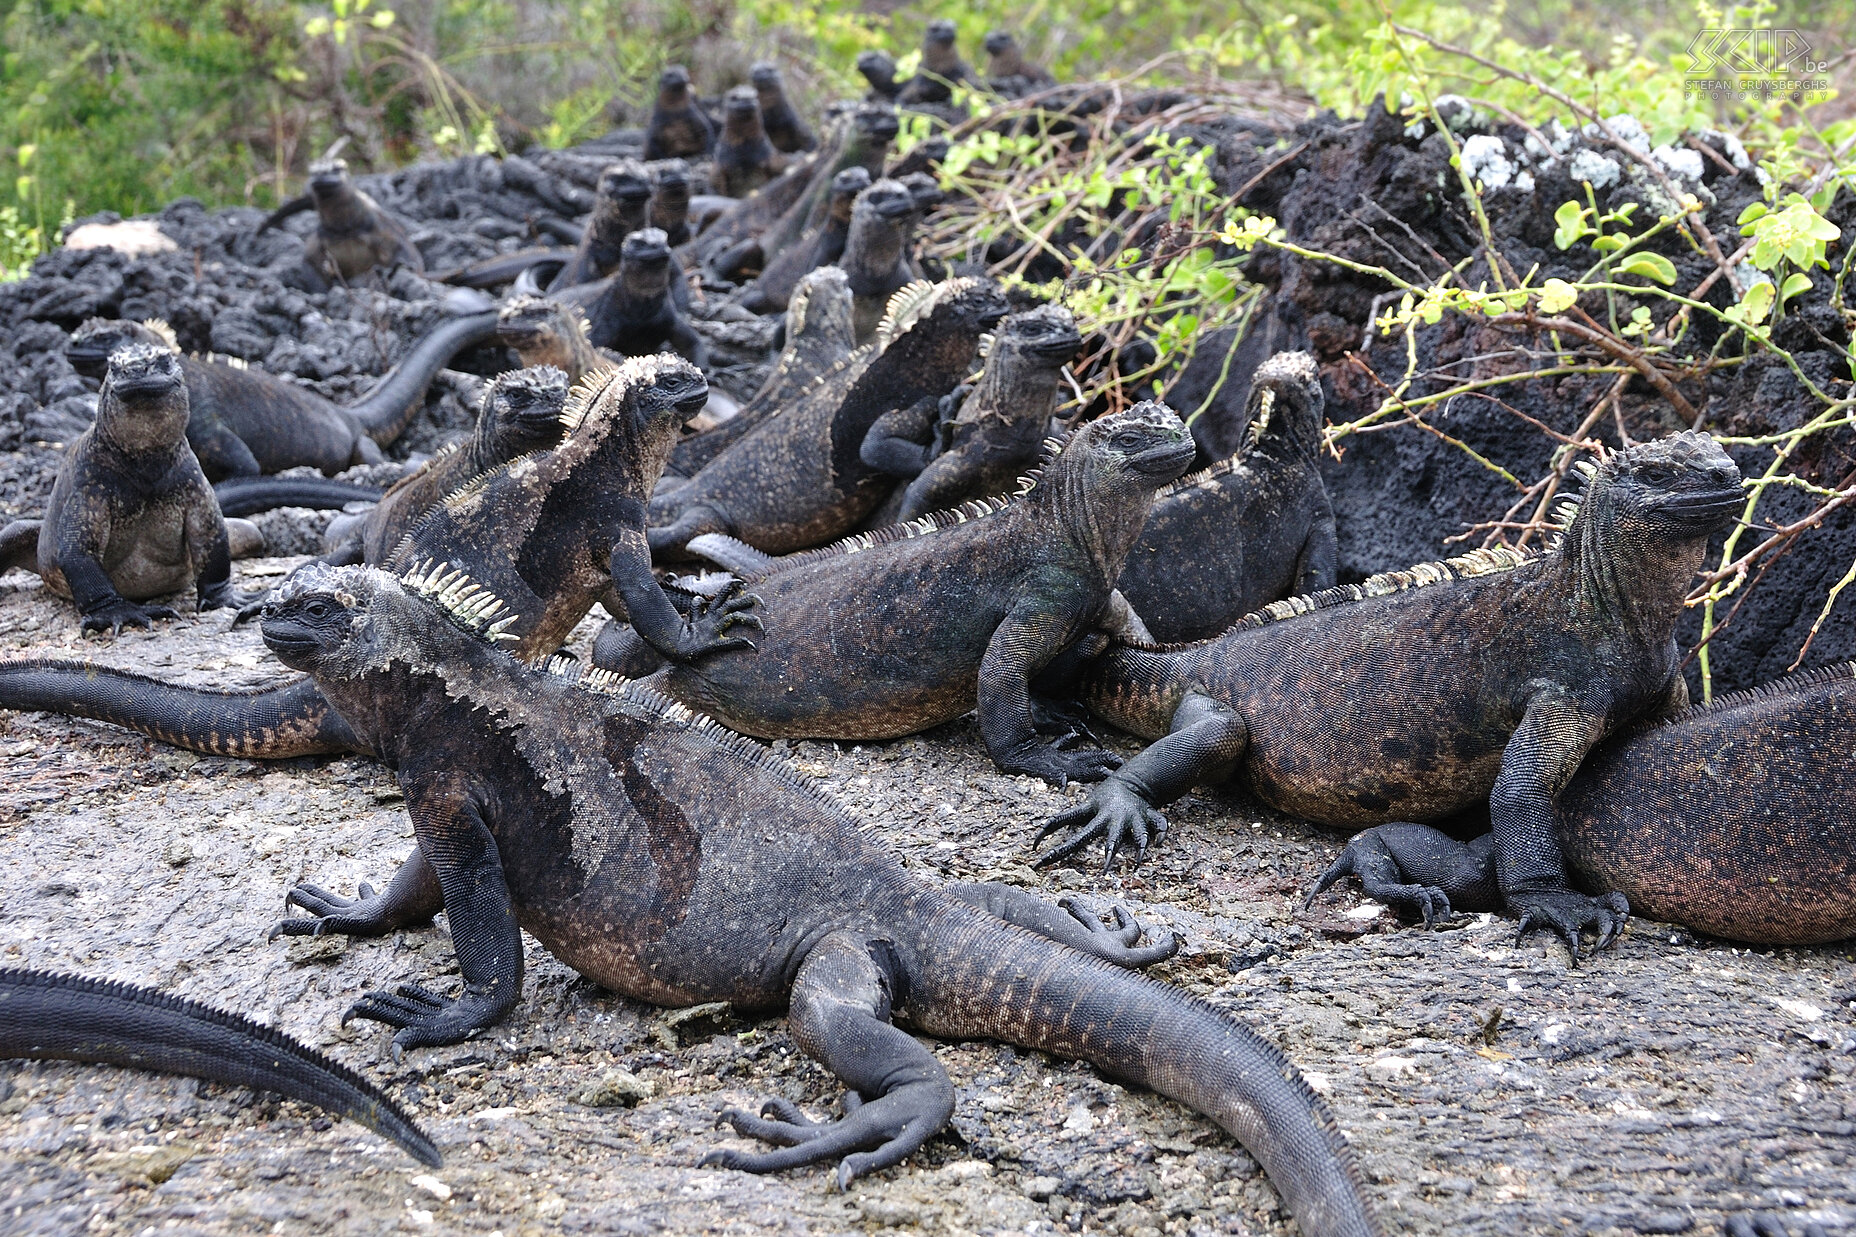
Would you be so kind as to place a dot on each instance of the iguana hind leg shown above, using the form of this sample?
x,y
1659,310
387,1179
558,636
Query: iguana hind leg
x,y
840,1014
1070,923
1418,869
412,898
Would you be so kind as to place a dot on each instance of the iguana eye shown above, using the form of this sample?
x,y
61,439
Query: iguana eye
x,y
317,609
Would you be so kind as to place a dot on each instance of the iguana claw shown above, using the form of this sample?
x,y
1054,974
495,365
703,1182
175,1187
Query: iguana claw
x,y
120,614
424,1018
1570,915
1112,812
879,1133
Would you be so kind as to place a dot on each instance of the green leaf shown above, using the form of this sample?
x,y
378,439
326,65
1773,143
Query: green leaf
x,y
1571,220
1557,295
1793,285
1650,266
1609,244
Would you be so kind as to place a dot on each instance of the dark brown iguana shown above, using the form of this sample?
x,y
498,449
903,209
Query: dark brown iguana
x,y
1420,694
636,314
1736,818
678,126
876,251
558,530
977,441
788,132
520,413
878,69
49,1017
548,332
1250,529
621,206
670,199
1003,585
819,335
245,421
744,155
1007,70
796,481
670,861
823,246
130,516
941,68
353,234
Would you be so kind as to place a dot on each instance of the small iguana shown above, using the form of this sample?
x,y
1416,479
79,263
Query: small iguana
x,y
245,421
670,199
50,1017
788,132
876,251
891,632
558,530
823,246
795,480
941,68
541,331
878,69
637,314
353,234
819,335
1258,526
1422,693
1736,818
621,206
678,127
130,516
990,433
1007,70
744,155
670,861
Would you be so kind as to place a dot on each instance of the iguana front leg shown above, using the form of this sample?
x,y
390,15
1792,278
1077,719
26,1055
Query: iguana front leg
x,y
1554,735
655,619
1206,741
211,554
1317,564
410,899
1021,646
1068,923
454,840
900,442
1419,869
81,536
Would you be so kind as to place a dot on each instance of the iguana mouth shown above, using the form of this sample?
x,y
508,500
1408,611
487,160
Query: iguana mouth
x,y
293,643
1166,461
144,386
1704,508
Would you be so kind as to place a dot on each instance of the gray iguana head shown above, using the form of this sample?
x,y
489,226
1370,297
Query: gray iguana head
x,y
346,622
637,408
875,124
821,307
143,405
1286,402
522,409
1681,488
95,339
1045,337
644,262
952,314
741,119
673,88
329,181
1103,482
541,331
845,187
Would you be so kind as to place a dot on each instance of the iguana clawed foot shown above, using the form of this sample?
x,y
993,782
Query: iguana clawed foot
x,y
1766,1224
122,613
1379,880
222,596
363,915
1120,944
1058,766
426,1019
1570,915
706,626
1114,813
878,1133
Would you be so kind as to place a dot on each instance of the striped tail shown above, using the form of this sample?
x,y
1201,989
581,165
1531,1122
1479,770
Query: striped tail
x,y
46,1016
270,724
984,979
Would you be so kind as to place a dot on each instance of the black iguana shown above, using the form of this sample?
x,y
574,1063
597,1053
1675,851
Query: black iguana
x,y
353,234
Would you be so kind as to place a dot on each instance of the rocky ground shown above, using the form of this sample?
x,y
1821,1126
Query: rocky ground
x,y
1487,1087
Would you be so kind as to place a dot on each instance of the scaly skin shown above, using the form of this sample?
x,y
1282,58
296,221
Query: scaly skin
x,y
621,206
1253,528
633,841
546,332
50,1017
570,520
876,251
244,421
1004,585
130,515
788,132
1736,818
819,336
353,234
994,434
678,129
670,199
796,480
823,246
1383,702
636,314
744,155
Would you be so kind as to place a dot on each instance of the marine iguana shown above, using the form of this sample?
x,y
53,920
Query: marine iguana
x,y
1004,584
1007,70
788,132
876,251
521,413
823,246
678,127
621,206
130,516
744,155
990,436
819,335
670,199
795,480
570,520
1736,818
353,234
878,70
50,1017
1250,529
941,68
632,839
1418,694
636,314
245,421
548,332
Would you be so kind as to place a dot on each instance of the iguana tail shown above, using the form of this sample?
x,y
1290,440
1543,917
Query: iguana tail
x,y
271,724
981,978
734,555
250,495
19,545
46,1016
385,411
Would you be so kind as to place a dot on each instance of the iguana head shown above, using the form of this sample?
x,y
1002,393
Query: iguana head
x,y
925,192
95,339
673,87
741,119
1286,402
345,622
875,124
328,180
622,197
884,202
143,406
766,78
670,182
1000,43
941,323
845,187
522,411
1102,483
878,69
821,307
541,331
938,52
636,409
644,262
1683,487
1045,338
